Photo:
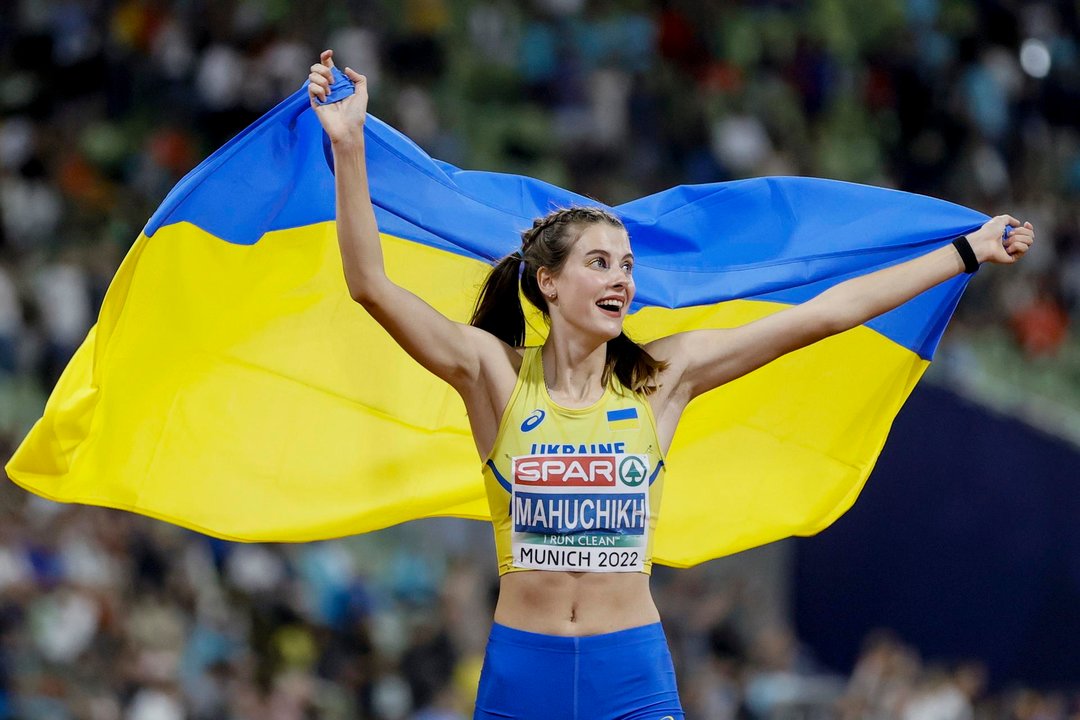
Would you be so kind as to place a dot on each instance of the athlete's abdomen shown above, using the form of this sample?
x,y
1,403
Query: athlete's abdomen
x,y
568,603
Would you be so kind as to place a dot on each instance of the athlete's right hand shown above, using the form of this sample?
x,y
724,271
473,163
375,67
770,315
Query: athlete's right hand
x,y
343,121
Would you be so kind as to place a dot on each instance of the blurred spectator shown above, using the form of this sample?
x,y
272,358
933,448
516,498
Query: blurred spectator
x,y
938,698
882,681
10,324
62,295
1039,322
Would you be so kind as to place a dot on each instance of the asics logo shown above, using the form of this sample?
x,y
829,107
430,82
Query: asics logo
x,y
535,418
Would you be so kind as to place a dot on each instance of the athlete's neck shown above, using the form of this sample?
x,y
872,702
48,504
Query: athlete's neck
x,y
573,369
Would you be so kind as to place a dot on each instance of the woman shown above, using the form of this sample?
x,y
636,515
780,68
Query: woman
x,y
570,432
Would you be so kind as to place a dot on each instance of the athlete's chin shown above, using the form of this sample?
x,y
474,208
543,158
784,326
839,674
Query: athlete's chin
x,y
602,329
610,331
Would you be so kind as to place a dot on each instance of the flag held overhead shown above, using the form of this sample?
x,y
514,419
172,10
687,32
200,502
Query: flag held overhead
x,y
232,386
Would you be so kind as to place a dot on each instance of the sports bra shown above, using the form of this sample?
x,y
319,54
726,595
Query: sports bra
x,y
574,489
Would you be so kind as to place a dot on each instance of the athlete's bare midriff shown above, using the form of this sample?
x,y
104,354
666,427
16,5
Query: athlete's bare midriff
x,y
574,604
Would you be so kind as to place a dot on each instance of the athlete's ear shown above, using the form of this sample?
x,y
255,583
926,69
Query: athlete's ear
x,y
545,281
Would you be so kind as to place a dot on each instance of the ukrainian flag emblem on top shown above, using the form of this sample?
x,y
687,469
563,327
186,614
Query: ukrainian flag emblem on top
x,y
624,419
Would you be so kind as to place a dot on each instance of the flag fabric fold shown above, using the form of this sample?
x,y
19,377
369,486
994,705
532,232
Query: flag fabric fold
x,y
231,385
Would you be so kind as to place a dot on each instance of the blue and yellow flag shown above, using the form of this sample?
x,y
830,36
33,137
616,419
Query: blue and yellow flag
x,y
232,386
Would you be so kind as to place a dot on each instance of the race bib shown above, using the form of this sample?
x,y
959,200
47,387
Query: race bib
x,y
585,513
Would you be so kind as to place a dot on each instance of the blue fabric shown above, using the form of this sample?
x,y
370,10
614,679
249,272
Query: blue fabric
x,y
624,675
781,239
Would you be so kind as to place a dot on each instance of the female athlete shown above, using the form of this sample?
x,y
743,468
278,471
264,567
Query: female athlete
x,y
573,433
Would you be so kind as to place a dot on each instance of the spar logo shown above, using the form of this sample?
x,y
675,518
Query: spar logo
x,y
632,471
535,418
565,470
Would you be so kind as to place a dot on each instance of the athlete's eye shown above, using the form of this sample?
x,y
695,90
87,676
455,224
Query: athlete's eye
x,y
628,267
598,262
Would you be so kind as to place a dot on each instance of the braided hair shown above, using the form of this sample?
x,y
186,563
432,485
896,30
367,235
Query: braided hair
x,y
547,244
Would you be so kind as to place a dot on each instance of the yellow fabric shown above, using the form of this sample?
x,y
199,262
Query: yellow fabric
x,y
224,382
533,424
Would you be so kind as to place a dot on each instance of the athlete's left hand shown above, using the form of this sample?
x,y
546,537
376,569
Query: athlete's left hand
x,y
992,244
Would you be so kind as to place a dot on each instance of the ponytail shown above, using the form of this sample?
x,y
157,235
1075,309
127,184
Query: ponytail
x,y
498,309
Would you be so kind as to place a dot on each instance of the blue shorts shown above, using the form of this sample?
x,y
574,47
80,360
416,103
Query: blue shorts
x,y
624,675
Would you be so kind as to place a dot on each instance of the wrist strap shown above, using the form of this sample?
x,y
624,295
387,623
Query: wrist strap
x,y
971,264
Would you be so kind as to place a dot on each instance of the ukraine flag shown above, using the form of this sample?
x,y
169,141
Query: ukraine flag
x,y
624,419
232,386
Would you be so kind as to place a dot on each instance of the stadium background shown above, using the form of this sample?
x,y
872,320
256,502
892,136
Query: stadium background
x,y
963,549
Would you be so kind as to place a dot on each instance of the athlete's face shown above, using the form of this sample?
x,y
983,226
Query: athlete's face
x,y
595,286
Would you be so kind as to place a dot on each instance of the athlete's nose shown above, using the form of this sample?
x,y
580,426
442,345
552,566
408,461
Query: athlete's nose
x,y
620,282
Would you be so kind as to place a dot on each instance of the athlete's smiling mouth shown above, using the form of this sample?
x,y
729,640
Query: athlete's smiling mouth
x,y
611,304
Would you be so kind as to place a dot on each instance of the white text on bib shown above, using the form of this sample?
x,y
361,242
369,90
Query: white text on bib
x,y
584,513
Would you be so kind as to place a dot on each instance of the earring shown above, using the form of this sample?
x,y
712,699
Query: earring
x,y
551,297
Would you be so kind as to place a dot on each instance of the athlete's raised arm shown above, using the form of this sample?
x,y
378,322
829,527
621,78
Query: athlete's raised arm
x,y
705,359
451,350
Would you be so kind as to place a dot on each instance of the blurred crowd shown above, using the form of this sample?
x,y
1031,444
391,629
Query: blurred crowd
x,y
105,104
110,616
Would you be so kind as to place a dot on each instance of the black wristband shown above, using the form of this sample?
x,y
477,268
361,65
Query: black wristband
x,y
971,264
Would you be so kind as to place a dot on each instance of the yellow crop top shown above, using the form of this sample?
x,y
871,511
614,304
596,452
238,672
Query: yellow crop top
x,y
583,485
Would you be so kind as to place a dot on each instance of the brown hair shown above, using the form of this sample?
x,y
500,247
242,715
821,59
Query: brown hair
x,y
547,244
